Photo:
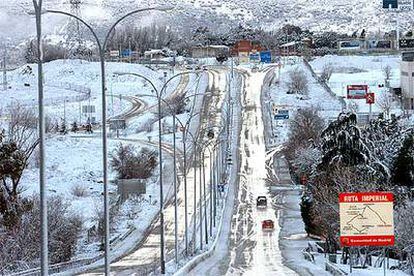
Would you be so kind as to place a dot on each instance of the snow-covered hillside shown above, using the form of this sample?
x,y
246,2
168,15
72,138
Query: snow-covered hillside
x,y
317,15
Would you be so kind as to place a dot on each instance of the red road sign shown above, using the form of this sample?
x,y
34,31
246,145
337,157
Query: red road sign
x,y
366,219
357,91
370,99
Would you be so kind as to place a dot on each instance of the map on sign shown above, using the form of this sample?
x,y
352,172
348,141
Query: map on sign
x,y
366,219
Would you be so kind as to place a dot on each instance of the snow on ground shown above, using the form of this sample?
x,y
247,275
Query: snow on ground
x,y
352,70
68,81
293,238
317,97
74,161
74,171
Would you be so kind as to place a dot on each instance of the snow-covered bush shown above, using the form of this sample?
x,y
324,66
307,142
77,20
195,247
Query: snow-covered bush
x,y
20,246
297,82
79,190
130,164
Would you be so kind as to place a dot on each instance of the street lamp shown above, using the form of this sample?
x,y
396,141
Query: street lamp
x,y
38,11
160,100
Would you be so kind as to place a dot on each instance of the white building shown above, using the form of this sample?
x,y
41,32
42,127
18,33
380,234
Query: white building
x,y
407,79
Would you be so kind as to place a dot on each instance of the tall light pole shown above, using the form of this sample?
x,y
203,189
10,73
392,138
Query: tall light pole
x,y
102,47
159,93
43,196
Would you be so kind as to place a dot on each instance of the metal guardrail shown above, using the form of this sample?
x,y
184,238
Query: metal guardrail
x,y
334,270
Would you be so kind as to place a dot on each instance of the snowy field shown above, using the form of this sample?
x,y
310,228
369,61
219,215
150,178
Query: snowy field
x,y
354,70
74,161
67,83
317,97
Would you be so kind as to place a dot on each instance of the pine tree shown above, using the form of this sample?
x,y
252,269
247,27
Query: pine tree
x,y
403,169
63,129
75,127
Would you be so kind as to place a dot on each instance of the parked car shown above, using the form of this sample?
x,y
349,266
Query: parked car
x,y
268,225
261,202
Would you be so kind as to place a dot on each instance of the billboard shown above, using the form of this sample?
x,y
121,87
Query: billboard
x,y
266,57
386,4
356,91
407,43
366,219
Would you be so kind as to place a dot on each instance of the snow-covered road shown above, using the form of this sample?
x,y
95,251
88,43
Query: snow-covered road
x,y
250,250
253,251
145,257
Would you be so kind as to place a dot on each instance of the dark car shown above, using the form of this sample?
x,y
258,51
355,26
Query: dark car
x,y
261,202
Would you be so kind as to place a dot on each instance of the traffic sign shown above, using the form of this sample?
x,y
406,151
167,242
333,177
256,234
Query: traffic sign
x,y
282,114
386,4
370,99
114,53
254,57
366,219
266,57
126,53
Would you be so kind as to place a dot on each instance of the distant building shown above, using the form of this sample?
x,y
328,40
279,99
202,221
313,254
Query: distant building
x,y
295,47
244,48
209,51
155,54
407,80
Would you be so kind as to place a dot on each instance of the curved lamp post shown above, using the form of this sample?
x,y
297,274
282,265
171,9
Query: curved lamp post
x,y
160,101
102,46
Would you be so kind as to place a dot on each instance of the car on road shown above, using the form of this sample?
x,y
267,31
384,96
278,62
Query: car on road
x,y
261,202
268,225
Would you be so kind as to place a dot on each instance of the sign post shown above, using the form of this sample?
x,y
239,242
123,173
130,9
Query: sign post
x,y
366,219
370,99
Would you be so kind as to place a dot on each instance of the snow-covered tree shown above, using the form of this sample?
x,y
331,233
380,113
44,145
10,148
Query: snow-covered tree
x,y
403,167
20,246
327,71
74,127
62,128
130,164
297,82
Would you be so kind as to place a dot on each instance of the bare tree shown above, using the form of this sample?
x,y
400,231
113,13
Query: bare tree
x,y
385,103
387,71
353,106
327,71
15,152
23,128
305,129
298,82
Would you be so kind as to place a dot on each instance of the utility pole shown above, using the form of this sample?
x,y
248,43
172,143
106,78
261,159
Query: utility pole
x,y
4,69
44,253
74,35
